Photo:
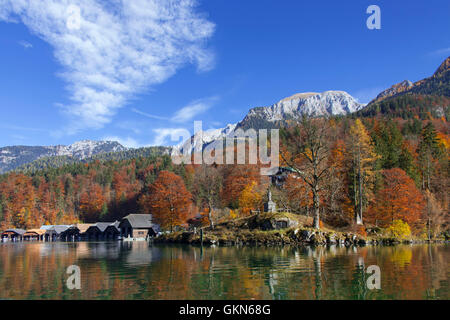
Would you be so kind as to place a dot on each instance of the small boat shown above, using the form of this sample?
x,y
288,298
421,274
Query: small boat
x,y
134,239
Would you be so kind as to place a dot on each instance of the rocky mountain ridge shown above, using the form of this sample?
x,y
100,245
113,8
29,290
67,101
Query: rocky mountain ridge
x,y
437,84
12,157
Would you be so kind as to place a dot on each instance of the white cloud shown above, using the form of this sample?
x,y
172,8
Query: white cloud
x,y
163,136
439,52
117,49
135,127
186,113
148,115
171,136
25,44
193,109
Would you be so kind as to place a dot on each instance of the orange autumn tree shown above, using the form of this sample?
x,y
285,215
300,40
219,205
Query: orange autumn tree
x,y
92,202
236,179
168,200
19,211
250,198
306,149
399,199
299,197
336,195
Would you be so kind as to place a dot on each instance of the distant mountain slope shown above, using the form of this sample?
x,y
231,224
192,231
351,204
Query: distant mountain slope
x,y
394,90
207,137
287,110
438,84
425,99
409,106
13,157
59,161
292,108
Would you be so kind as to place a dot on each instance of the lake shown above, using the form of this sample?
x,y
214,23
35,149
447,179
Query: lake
x,y
139,270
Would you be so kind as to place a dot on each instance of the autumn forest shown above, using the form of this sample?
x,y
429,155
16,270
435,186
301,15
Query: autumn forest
x,y
387,168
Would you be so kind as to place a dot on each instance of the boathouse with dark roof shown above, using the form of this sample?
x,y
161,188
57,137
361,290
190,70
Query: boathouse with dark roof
x,y
13,234
138,226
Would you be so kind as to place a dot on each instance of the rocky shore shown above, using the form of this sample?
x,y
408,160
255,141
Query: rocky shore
x,y
273,230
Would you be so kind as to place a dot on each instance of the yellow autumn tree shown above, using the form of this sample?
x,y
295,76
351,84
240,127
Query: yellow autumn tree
x,y
363,157
399,230
233,214
250,199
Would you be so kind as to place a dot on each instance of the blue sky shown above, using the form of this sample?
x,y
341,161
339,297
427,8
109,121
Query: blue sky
x,y
137,71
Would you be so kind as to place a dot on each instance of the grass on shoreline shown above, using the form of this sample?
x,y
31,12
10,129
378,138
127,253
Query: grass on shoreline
x,y
253,230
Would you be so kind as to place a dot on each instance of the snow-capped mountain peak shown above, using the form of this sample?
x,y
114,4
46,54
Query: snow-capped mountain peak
x,y
309,103
14,156
205,137
87,148
213,134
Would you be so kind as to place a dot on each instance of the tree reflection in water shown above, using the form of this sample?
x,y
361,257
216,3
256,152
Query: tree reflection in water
x,y
139,270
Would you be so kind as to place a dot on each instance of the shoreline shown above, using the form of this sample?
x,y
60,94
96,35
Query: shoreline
x,y
189,238
262,230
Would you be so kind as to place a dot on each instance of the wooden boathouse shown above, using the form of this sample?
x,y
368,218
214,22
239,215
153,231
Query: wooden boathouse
x,y
138,226
34,234
131,227
103,230
54,232
13,234
112,231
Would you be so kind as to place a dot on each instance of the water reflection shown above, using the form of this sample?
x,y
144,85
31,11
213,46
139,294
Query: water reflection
x,y
138,270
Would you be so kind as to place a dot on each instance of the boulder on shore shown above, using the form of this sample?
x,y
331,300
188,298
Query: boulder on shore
x,y
273,222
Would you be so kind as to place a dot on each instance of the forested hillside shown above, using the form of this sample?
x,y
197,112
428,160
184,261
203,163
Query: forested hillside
x,y
377,171
58,161
12,157
384,166
423,107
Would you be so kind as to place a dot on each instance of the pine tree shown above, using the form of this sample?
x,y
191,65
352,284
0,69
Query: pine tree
x,y
428,150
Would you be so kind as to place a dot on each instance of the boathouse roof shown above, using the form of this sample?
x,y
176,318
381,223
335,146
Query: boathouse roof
x,y
114,226
17,231
82,227
31,232
139,221
103,225
57,229
46,227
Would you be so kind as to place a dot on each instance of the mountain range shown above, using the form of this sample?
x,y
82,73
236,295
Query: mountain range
x,y
332,103
437,84
290,109
13,157
328,103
